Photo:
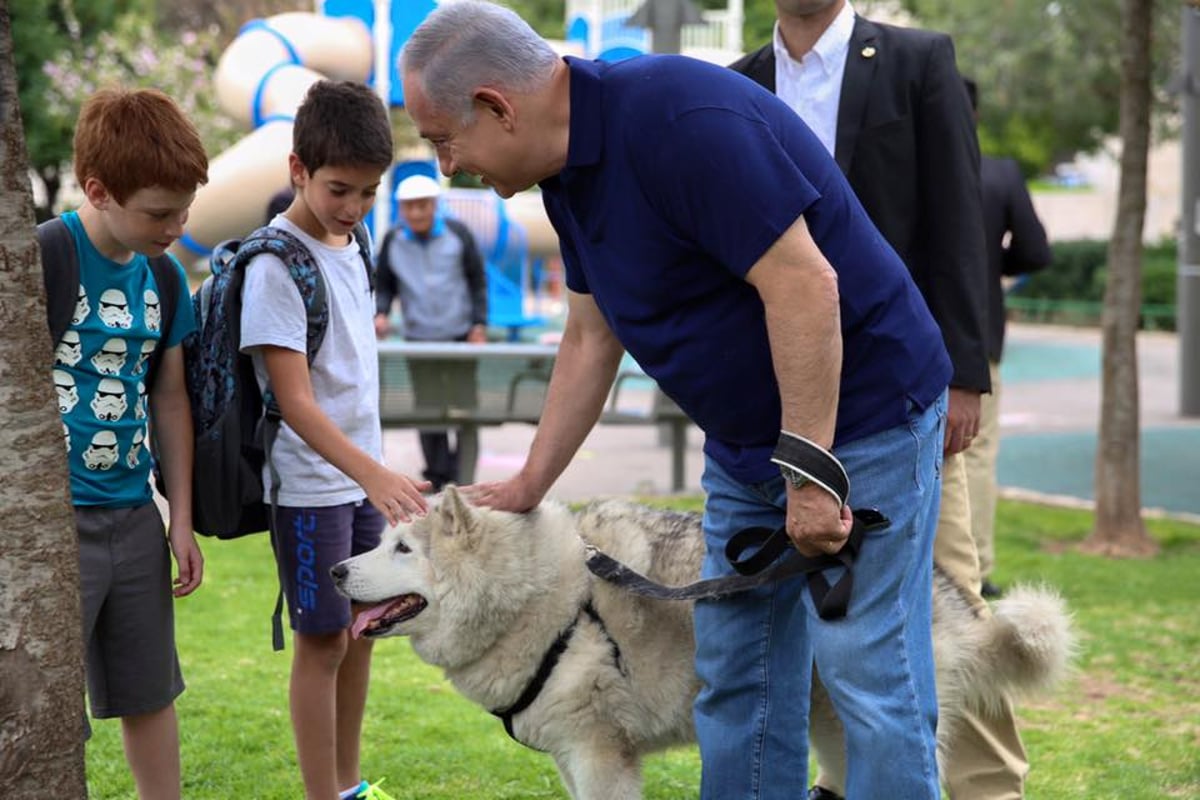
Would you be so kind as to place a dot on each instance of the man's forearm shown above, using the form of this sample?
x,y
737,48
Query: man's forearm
x,y
806,348
799,292
583,374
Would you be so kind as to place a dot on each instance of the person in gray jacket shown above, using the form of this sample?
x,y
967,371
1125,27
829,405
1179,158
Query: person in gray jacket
x,y
431,264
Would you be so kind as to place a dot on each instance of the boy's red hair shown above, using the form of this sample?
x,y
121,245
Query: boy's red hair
x,y
135,139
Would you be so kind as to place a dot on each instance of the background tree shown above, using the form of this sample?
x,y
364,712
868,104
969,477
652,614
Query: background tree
x,y
227,15
41,29
1119,529
547,17
135,52
65,49
1050,70
41,656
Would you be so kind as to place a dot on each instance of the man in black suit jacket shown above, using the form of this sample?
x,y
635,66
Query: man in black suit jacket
x,y
1016,245
901,128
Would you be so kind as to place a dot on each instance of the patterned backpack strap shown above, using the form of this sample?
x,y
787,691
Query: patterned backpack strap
x,y
363,238
305,272
211,351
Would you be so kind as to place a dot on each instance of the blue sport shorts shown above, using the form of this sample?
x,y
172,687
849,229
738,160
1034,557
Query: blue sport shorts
x,y
308,542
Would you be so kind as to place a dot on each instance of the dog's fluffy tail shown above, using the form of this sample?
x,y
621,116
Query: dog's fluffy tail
x,y
1029,647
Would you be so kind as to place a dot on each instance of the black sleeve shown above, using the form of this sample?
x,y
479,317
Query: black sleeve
x,y
474,271
385,280
1028,250
956,258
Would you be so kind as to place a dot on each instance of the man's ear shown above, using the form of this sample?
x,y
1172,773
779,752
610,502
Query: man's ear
x,y
97,194
495,104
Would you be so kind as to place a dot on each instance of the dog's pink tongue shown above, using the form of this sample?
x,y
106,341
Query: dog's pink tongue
x,y
365,617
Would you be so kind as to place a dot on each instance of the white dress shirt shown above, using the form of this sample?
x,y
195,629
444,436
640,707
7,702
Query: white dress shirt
x,y
812,86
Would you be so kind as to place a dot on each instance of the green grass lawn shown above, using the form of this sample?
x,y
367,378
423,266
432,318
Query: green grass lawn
x,y
1128,725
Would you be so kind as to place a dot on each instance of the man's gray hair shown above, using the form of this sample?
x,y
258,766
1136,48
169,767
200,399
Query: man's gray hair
x,y
465,44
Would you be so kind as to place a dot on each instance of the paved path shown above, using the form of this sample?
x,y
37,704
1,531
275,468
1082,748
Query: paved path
x,y
1050,415
1050,411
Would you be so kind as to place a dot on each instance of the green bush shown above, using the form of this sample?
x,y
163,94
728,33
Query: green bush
x,y
1072,273
1159,267
1071,289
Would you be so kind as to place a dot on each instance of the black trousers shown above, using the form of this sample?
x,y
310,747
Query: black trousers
x,y
441,459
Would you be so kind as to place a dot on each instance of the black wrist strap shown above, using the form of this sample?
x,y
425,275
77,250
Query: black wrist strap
x,y
794,452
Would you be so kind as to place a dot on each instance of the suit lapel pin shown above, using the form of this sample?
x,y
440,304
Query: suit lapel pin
x,y
868,52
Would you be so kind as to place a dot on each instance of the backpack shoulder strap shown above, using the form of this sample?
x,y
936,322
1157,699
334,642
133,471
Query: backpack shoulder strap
x,y
306,275
166,278
60,274
387,238
459,229
364,249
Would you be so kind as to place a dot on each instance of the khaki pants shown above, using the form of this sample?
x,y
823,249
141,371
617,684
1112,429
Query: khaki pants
x,y
981,476
985,758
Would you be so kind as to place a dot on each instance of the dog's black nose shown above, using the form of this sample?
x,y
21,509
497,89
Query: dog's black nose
x,y
338,572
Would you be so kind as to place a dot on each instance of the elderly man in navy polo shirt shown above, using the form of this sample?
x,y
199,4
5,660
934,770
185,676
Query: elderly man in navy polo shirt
x,y
706,230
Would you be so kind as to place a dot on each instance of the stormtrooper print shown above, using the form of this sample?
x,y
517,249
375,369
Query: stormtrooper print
x,y
114,309
102,452
147,351
135,451
69,351
111,358
67,437
139,408
109,402
153,310
68,392
82,308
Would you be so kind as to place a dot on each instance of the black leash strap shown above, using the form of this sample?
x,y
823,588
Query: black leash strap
x,y
756,569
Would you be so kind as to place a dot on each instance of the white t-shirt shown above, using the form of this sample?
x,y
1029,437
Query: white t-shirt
x,y
345,373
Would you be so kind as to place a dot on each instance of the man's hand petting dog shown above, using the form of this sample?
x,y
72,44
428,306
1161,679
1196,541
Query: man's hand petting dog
x,y
817,523
515,494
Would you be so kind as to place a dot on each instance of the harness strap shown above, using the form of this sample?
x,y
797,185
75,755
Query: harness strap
x,y
832,602
549,662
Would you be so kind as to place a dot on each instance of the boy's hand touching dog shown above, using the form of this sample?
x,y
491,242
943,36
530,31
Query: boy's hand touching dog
x,y
398,497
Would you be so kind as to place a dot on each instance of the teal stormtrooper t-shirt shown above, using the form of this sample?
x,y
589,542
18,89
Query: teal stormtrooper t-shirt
x,y
100,368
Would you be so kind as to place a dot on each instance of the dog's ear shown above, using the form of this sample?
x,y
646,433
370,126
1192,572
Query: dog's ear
x,y
458,517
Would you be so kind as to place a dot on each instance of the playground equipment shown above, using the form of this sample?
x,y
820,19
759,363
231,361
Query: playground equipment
x,y
261,79
600,28
263,75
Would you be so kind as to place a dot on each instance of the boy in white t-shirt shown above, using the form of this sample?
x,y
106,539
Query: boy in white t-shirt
x,y
328,452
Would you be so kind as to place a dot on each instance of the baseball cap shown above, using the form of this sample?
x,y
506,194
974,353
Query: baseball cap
x,y
417,187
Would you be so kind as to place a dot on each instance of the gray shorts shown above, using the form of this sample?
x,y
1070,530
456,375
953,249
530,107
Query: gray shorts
x,y
128,610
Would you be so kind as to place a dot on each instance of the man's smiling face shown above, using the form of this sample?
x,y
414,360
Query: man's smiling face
x,y
487,145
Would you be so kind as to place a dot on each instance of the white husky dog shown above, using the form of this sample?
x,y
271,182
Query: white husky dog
x,y
597,676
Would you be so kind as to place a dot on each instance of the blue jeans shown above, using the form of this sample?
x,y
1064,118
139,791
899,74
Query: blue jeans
x,y
754,652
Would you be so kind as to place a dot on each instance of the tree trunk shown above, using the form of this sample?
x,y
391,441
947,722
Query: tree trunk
x,y
41,656
1119,529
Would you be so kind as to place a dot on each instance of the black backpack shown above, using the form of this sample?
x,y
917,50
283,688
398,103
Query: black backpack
x,y
235,424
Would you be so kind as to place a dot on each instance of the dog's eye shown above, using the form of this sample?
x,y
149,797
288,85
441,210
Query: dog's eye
x,y
401,547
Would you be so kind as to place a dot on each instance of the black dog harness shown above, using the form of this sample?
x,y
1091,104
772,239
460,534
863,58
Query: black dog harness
x,y
549,662
831,602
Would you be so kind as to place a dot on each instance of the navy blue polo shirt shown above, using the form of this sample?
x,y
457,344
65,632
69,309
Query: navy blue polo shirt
x,y
680,175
